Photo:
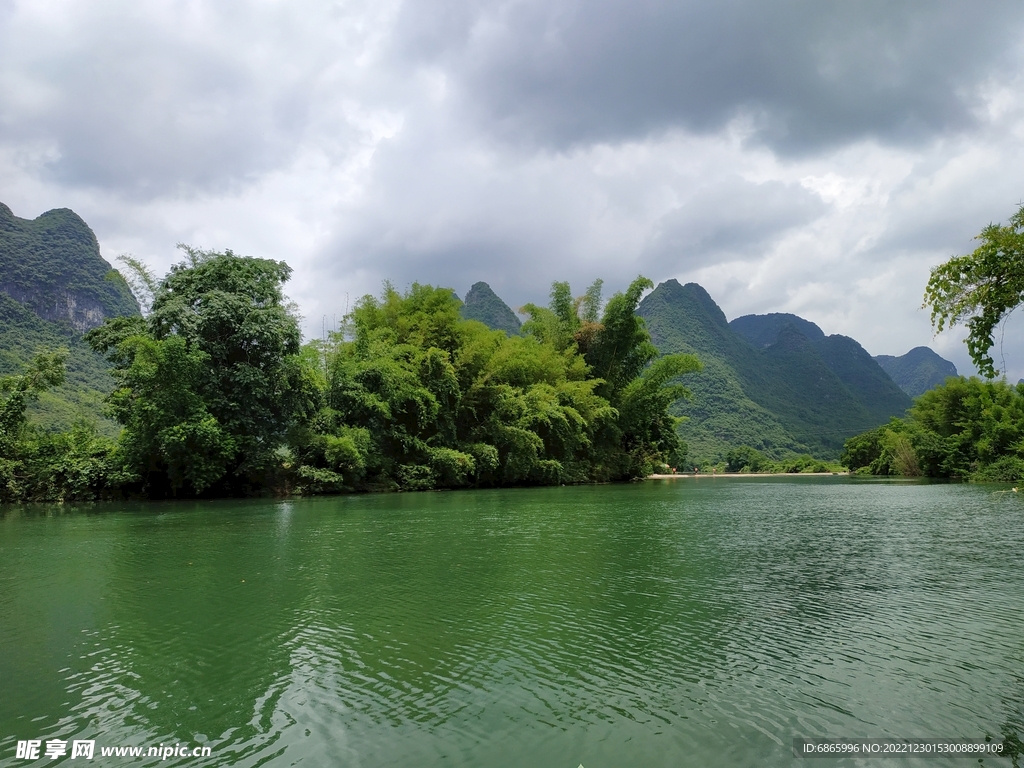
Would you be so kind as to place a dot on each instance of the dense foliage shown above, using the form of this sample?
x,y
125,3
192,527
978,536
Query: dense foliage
x,y
36,464
215,395
981,288
210,382
965,428
746,459
416,397
87,382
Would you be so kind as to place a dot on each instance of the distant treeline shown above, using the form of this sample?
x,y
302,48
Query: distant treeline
x,y
216,395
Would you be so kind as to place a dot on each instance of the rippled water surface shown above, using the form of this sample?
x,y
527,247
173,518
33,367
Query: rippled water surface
x,y
665,623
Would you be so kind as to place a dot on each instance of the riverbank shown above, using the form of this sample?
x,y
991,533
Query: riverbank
x,y
696,475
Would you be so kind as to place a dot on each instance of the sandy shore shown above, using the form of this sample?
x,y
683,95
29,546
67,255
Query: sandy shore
x,y
692,476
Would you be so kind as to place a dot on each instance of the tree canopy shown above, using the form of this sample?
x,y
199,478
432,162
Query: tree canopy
x,y
981,288
965,428
210,382
216,396
416,397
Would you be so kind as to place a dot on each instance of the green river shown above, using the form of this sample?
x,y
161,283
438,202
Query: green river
x,y
667,623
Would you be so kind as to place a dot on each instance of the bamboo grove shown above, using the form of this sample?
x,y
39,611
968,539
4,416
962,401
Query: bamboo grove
x,y
216,395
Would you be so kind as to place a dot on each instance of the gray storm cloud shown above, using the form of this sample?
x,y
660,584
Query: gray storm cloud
x,y
730,219
806,75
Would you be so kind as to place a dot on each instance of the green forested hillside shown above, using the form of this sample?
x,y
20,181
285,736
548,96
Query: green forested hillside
x,y
917,371
870,386
721,414
484,305
792,390
865,379
53,285
52,265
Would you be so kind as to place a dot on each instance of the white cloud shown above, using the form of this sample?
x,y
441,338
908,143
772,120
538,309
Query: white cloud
x,y
798,159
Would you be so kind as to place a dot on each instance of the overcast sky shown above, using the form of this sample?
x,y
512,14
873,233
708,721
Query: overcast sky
x,y
807,157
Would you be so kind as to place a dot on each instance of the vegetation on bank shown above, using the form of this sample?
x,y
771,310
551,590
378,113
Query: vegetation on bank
x,y
216,396
749,460
966,428
38,464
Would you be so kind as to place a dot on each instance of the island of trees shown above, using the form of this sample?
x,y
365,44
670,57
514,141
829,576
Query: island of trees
x,y
216,395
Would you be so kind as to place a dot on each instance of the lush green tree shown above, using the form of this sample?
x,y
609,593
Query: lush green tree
x,y
743,458
622,348
46,370
864,450
638,384
210,382
76,464
556,323
36,465
981,288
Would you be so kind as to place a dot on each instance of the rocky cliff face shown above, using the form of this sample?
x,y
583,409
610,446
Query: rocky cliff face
x,y
79,310
54,285
52,266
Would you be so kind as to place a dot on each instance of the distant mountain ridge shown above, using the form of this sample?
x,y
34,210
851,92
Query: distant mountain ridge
x,y
774,382
54,285
845,357
917,371
763,330
484,305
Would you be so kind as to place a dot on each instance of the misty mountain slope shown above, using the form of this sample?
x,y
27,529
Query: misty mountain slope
x,y
485,305
862,375
817,390
54,285
917,371
810,400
